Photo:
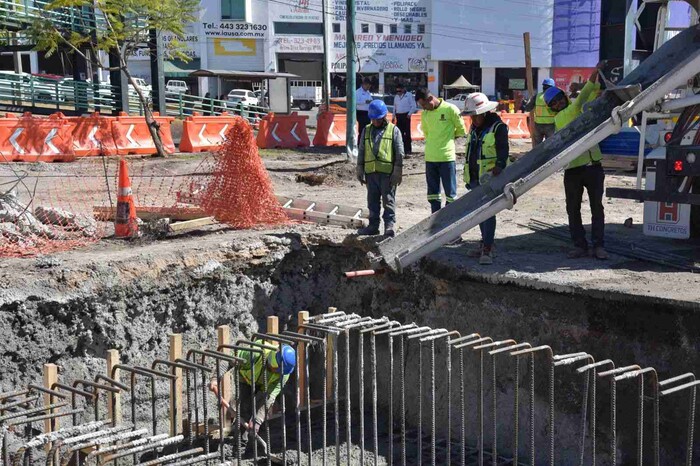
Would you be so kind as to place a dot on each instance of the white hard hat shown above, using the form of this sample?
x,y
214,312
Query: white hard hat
x,y
477,103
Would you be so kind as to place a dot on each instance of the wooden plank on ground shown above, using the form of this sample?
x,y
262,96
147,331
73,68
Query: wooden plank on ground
x,y
189,224
107,214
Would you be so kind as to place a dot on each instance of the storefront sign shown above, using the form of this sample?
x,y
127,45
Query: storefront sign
x,y
236,30
296,11
516,84
564,77
188,45
299,44
386,52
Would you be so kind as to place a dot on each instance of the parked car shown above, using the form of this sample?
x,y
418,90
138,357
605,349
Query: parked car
x,y
175,86
68,86
243,96
458,101
146,88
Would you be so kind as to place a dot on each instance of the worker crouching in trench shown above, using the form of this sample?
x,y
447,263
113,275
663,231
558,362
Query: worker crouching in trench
x,y
273,363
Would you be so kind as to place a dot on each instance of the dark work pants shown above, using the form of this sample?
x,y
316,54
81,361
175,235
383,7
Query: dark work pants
x,y
542,132
362,122
435,174
380,193
488,226
591,177
403,122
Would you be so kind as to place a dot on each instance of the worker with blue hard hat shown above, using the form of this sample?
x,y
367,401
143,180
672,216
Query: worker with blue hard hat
x,y
277,364
542,117
584,172
380,167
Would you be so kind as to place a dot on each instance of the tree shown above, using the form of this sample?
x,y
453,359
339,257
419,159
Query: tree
x,y
120,27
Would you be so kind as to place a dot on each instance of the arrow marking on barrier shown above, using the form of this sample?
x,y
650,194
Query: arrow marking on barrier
x,y
222,133
419,128
128,136
92,138
274,135
201,133
293,133
13,140
331,132
49,138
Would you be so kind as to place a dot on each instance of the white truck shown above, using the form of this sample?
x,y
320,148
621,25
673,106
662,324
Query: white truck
x,y
305,94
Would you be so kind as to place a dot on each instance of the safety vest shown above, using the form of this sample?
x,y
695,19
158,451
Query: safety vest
x,y
259,365
487,152
543,115
383,162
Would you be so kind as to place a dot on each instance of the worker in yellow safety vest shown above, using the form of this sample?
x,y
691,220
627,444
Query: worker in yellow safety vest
x,y
585,171
543,116
380,166
277,365
487,154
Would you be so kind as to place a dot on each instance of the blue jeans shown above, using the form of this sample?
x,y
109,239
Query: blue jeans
x,y
380,193
435,173
488,226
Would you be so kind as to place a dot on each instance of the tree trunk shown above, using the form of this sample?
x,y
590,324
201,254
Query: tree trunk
x,y
153,125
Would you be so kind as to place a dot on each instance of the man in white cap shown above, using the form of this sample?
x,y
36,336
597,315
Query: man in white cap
x,y
487,154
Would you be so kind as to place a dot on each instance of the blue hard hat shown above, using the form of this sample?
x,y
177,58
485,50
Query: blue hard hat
x,y
549,82
551,93
288,356
377,109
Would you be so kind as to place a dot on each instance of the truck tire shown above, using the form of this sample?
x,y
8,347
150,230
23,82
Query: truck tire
x,y
304,105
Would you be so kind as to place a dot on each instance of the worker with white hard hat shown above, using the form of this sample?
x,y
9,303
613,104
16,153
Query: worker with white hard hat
x,y
543,116
487,154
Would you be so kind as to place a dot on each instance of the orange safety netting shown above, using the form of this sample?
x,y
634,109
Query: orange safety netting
x,y
52,207
239,191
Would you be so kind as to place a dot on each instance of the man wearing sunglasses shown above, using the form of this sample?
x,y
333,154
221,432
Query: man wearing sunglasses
x,y
585,171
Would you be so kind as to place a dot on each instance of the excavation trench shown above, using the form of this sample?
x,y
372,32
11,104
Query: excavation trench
x,y
135,308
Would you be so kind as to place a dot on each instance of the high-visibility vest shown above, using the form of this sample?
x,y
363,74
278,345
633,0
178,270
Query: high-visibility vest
x,y
259,364
383,162
543,115
487,154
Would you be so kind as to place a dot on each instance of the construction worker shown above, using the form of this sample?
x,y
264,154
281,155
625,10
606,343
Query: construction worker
x,y
442,123
543,126
487,154
583,172
380,166
404,107
273,362
362,100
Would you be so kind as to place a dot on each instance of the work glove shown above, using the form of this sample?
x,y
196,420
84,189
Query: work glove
x,y
360,173
396,176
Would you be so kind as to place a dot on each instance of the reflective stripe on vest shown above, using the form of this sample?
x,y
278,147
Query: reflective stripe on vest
x,y
259,364
543,115
487,154
383,162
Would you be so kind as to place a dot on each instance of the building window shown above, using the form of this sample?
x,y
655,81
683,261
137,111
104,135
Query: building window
x,y
233,10
314,29
421,29
364,27
406,28
379,28
336,28
393,29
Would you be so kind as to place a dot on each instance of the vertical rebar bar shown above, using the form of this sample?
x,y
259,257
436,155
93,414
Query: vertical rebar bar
x,y
640,423
613,421
462,402
420,404
252,402
268,459
284,414
297,410
584,410
432,403
448,362
373,356
481,408
360,353
516,409
391,401
691,426
336,406
494,415
308,402
532,409
348,407
325,397
238,431
402,358
551,413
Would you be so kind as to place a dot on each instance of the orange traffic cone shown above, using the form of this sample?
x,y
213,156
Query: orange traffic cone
x,y
125,224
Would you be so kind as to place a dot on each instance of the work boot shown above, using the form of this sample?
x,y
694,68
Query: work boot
x,y
389,230
486,256
370,230
578,253
477,251
600,253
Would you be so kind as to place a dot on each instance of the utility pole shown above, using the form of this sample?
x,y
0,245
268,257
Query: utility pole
x,y
350,86
326,57
528,78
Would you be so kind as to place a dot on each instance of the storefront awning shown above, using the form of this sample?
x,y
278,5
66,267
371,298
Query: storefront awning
x,y
179,68
229,74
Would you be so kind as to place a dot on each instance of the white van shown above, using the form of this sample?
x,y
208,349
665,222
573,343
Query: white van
x,y
175,86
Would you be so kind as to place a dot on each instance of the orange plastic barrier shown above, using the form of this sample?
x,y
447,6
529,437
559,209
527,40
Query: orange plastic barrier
x,y
34,139
467,122
416,128
517,125
92,136
330,129
283,131
131,134
205,133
